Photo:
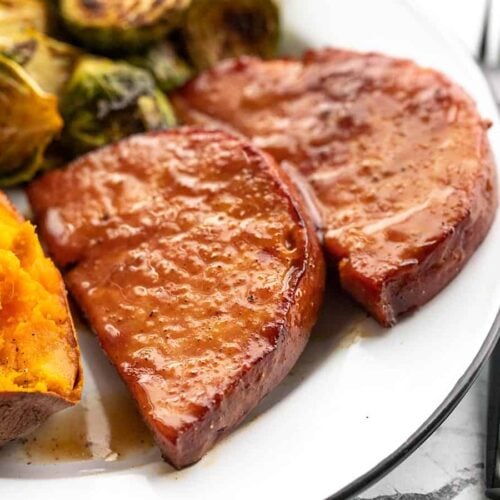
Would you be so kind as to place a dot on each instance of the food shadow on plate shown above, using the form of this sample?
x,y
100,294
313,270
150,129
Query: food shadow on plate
x,y
341,324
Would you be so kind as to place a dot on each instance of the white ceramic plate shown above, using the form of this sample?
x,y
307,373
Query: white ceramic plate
x,y
360,398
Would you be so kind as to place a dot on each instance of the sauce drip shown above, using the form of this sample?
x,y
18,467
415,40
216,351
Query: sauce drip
x,y
59,439
99,429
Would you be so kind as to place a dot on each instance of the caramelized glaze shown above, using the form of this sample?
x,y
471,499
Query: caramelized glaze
x,y
396,155
195,267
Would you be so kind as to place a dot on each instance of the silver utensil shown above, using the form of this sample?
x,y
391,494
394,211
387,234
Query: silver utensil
x,y
489,50
489,59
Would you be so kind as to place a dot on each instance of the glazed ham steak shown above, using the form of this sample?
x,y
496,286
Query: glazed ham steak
x,y
196,267
396,156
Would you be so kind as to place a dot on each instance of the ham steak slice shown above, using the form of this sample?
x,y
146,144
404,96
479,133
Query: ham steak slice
x,y
396,156
197,268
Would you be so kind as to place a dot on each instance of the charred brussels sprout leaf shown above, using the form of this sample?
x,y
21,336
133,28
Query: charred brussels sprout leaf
x,y
18,15
28,122
121,26
218,29
105,101
168,68
48,61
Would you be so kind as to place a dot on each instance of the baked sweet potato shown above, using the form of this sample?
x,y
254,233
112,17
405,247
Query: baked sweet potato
x,y
40,370
396,155
196,266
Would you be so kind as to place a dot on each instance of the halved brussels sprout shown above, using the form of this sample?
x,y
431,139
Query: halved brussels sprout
x,y
48,61
168,68
218,29
28,122
121,26
105,101
17,15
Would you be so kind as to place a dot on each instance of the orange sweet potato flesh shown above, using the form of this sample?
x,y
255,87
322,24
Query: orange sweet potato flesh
x,y
39,357
197,267
396,156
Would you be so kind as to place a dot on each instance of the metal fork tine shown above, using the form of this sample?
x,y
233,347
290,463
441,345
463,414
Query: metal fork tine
x,y
492,433
483,47
495,10
488,55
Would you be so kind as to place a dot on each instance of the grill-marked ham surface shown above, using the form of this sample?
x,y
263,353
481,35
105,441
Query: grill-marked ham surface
x,y
396,155
198,270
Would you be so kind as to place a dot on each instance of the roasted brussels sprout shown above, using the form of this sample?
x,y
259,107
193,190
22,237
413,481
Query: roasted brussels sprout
x,y
105,101
217,29
48,61
168,68
28,122
121,26
17,15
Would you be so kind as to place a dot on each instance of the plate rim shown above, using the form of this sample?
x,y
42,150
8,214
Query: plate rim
x,y
431,424
460,389
457,392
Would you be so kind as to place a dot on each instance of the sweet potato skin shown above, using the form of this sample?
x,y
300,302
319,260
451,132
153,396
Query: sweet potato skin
x,y
397,157
22,411
197,354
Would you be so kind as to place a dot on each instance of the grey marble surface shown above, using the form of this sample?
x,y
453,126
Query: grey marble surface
x,y
450,464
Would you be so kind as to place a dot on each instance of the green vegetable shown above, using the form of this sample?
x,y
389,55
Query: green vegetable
x,y
218,29
18,15
168,68
48,61
121,26
105,101
28,122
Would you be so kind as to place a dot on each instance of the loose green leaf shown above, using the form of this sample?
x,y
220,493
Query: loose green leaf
x,y
50,62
